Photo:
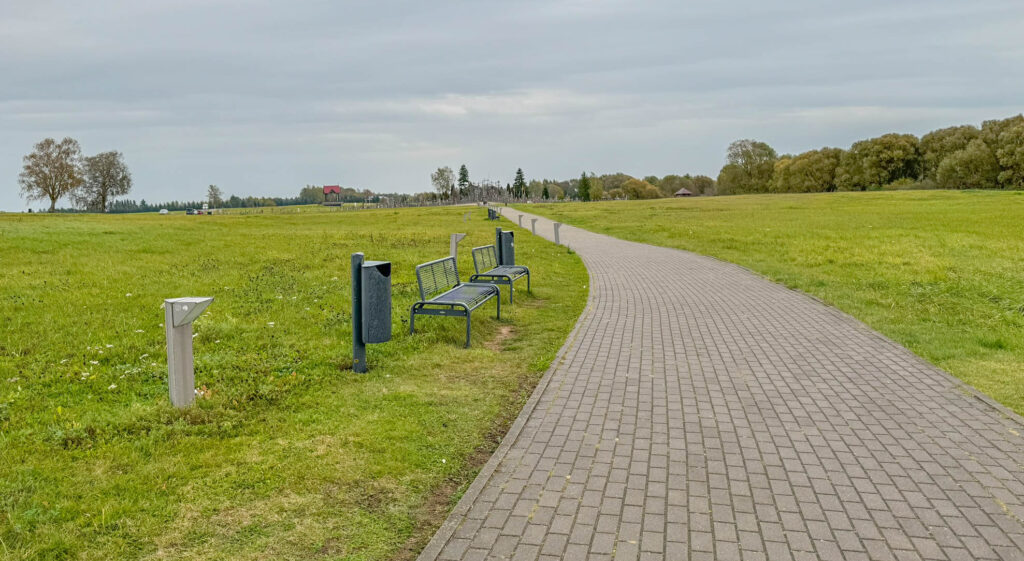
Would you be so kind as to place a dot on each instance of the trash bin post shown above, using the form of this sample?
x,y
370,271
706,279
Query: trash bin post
x,y
358,346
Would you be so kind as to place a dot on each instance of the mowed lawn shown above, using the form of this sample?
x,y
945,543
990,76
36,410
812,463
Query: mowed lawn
x,y
940,272
288,454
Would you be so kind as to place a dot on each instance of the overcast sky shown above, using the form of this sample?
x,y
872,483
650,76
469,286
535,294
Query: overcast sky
x,y
262,98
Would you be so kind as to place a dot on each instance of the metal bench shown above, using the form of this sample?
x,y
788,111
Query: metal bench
x,y
485,261
442,294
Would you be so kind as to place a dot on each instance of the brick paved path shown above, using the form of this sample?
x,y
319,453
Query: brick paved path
x,y
701,412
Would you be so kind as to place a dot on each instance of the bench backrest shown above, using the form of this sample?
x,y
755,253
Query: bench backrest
x,y
485,258
437,276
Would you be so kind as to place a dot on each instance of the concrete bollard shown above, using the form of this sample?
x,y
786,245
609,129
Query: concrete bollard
x,y
533,226
179,313
520,220
557,225
453,245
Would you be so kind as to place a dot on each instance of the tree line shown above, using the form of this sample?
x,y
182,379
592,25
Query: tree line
x,y
587,187
959,157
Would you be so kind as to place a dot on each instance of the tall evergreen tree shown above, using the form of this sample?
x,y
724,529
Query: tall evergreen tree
x,y
545,194
519,184
463,180
583,187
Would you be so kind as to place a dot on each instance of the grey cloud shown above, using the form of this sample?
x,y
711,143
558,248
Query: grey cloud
x,y
265,97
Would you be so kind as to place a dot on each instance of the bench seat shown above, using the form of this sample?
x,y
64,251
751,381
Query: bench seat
x,y
485,261
442,294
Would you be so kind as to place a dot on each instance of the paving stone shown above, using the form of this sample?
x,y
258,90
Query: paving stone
x,y
700,411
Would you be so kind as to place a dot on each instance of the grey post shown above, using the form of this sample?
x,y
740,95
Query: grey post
x,y
179,313
497,243
557,225
533,226
358,346
520,220
453,245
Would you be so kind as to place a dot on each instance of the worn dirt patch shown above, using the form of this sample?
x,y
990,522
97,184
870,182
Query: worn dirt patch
x,y
496,343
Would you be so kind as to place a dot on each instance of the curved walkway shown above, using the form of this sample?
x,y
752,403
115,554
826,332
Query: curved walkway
x,y
699,411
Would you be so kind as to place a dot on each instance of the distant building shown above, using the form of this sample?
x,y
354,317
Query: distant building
x,y
330,190
683,193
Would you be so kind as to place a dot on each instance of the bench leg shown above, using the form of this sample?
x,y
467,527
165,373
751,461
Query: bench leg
x,y
511,291
528,282
498,299
412,321
467,330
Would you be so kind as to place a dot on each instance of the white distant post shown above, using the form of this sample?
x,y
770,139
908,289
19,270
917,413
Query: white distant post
x,y
533,226
453,245
179,313
557,225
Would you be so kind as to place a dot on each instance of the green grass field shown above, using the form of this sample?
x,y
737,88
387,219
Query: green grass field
x,y
938,271
287,454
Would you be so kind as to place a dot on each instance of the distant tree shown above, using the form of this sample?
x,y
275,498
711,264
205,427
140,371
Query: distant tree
x,y
613,181
671,183
463,180
596,188
545,194
104,176
640,189
443,181
583,187
52,171
938,144
813,171
974,167
703,185
214,196
309,195
877,162
1010,154
750,166
732,180
991,129
519,184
